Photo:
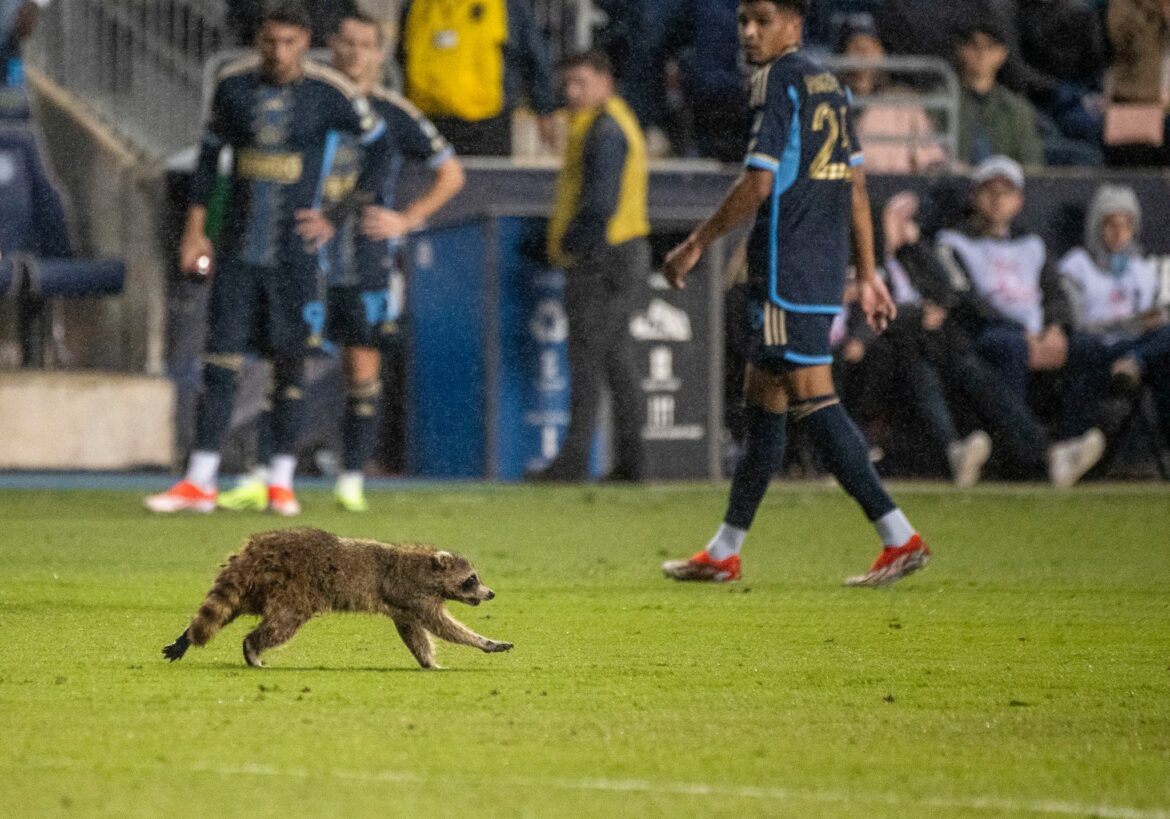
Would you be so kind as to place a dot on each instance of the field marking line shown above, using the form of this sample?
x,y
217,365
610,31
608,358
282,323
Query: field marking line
x,y
1054,807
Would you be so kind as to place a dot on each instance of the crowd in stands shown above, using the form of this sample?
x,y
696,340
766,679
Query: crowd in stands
x,y
1045,82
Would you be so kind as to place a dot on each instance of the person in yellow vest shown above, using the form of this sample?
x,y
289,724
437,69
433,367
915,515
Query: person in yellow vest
x,y
468,63
597,233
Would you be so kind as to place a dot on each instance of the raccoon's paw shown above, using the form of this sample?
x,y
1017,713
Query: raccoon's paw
x,y
251,657
492,647
177,649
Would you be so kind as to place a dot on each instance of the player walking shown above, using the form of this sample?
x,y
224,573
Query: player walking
x,y
804,185
366,285
276,111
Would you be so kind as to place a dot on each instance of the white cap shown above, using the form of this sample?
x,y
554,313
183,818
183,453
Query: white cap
x,y
997,166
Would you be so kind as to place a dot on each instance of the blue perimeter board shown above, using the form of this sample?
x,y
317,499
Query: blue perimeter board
x,y
489,378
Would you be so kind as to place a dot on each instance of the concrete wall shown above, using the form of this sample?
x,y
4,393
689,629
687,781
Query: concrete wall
x,y
85,420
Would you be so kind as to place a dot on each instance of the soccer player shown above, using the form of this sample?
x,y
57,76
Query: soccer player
x,y
361,263
276,111
804,185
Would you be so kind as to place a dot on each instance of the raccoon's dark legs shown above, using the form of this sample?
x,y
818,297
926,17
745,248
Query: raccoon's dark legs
x,y
418,641
177,649
274,630
446,627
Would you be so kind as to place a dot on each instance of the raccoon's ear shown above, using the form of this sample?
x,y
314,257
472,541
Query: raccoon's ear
x,y
442,560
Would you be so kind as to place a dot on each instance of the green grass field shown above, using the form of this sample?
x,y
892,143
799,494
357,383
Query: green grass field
x,y
1026,672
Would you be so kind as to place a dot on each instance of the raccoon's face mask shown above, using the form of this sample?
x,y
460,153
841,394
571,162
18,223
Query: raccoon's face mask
x,y
460,580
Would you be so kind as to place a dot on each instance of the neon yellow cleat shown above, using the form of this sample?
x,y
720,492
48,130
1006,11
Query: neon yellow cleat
x,y
351,498
250,495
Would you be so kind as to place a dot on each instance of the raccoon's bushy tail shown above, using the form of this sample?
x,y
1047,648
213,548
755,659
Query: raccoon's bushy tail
x,y
218,609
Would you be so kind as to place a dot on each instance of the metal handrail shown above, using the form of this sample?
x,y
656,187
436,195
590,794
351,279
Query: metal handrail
x,y
932,73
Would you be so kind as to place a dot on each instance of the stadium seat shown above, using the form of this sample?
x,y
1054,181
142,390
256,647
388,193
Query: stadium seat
x,y
34,243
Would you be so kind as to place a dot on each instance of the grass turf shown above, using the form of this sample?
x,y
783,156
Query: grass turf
x,y
1027,671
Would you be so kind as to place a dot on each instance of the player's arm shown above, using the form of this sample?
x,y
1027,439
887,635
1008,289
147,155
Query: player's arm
x,y
873,295
750,191
195,250
383,223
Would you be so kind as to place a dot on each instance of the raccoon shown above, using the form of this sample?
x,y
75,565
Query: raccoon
x,y
288,576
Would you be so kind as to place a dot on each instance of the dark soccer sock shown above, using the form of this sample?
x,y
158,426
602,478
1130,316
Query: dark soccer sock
x,y
763,453
360,427
845,452
215,402
288,405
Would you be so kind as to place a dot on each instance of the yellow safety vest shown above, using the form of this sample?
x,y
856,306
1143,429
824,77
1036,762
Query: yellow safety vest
x,y
629,220
455,57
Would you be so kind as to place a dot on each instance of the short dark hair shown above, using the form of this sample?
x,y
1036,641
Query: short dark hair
x,y
801,7
593,58
288,13
980,26
359,16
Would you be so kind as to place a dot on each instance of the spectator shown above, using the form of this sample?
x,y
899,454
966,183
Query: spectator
x,y
1116,287
1137,128
717,81
244,18
1010,299
992,120
899,368
598,233
18,19
897,134
466,65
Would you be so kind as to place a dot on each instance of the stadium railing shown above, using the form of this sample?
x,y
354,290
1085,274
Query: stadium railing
x,y
928,83
138,63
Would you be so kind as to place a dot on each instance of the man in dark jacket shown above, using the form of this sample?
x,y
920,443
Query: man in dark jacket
x,y
244,18
1009,299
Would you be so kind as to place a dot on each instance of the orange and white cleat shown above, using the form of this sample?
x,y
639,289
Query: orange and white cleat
x,y
894,563
702,567
182,497
282,501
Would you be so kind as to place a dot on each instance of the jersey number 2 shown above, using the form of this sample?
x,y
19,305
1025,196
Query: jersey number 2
x,y
822,167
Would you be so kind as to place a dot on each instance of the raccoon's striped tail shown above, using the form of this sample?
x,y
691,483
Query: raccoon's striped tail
x,y
218,609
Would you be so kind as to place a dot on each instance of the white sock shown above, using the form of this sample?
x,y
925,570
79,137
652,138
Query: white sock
x,y
728,541
894,529
281,471
203,468
350,482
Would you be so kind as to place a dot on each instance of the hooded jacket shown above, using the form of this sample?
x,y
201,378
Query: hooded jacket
x,y
1110,291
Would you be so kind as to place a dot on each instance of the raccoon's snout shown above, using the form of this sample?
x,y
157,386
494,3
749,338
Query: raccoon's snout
x,y
491,595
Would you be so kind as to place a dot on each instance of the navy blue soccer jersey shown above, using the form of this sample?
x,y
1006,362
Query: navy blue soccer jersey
x,y
798,251
279,136
351,259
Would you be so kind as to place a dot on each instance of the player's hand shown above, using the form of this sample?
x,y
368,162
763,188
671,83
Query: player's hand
x,y
876,304
313,227
195,253
678,263
381,224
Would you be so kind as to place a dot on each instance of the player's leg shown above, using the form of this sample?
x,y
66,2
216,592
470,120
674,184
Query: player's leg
x,y
818,410
251,493
292,316
362,367
230,312
765,422
585,305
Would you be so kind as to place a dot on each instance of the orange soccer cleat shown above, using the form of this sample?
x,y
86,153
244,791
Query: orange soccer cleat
x,y
894,563
703,567
282,501
182,497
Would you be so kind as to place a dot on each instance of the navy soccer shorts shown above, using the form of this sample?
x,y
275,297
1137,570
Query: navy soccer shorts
x,y
273,311
782,340
361,317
